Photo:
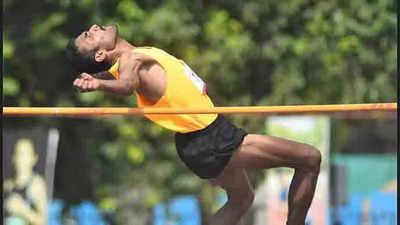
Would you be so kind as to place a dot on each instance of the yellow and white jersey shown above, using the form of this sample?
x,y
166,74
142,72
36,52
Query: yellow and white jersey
x,y
184,90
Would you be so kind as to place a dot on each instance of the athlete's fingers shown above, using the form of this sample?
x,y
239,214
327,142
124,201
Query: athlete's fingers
x,y
76,81
86,76
80,83
85,84
77,84
80,90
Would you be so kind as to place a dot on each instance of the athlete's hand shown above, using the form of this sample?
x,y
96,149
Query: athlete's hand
x,y
86,83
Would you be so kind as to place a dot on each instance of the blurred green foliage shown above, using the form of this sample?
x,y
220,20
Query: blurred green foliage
x,y
250,53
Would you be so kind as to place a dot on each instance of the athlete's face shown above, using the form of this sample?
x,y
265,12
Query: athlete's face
x,y
97,37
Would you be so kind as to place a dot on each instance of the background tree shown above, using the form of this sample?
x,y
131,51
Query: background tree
x,y
250,53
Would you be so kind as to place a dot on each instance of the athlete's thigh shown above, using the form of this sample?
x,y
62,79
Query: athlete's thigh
x,y
259,151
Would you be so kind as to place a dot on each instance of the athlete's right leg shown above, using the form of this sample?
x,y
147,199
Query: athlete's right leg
x,y
240,196
258,151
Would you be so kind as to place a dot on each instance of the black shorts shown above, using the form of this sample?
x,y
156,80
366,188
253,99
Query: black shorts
x,y
206,152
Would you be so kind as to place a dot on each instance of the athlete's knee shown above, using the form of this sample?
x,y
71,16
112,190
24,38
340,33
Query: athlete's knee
x,y
312,158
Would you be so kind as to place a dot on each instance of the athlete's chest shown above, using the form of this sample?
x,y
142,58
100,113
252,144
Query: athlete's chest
x,y
152,81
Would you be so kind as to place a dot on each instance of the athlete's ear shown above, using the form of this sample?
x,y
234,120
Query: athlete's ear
x,y
100,56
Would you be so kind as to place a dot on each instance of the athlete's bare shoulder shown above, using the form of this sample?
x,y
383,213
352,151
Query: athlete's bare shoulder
x,y
128,63
133,60
128,68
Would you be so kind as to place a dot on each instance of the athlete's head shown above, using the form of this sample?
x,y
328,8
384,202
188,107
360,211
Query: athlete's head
x,y
89,50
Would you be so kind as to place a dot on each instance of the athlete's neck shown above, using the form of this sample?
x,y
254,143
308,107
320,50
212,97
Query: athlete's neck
x,y
121,47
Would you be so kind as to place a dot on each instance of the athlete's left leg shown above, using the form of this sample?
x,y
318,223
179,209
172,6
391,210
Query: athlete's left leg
x,y
240,196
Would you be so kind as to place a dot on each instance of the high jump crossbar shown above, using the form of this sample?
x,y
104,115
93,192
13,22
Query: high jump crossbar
x,y
98,111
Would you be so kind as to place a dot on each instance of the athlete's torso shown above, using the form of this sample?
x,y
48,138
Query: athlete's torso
x,y
171,83
153,81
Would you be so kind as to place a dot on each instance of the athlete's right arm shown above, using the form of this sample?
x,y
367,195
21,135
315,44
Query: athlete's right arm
x,y
88,83
125,85
105,75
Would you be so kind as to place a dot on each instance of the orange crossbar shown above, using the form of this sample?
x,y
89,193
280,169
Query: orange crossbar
x,y
97,111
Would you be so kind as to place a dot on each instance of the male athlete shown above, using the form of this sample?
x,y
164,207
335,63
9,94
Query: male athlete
x,y
209,145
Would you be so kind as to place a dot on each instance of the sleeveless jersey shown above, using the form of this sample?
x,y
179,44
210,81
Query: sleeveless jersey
x,y
184,90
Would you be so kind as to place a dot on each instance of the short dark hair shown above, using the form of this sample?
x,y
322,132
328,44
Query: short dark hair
x,y
84,62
